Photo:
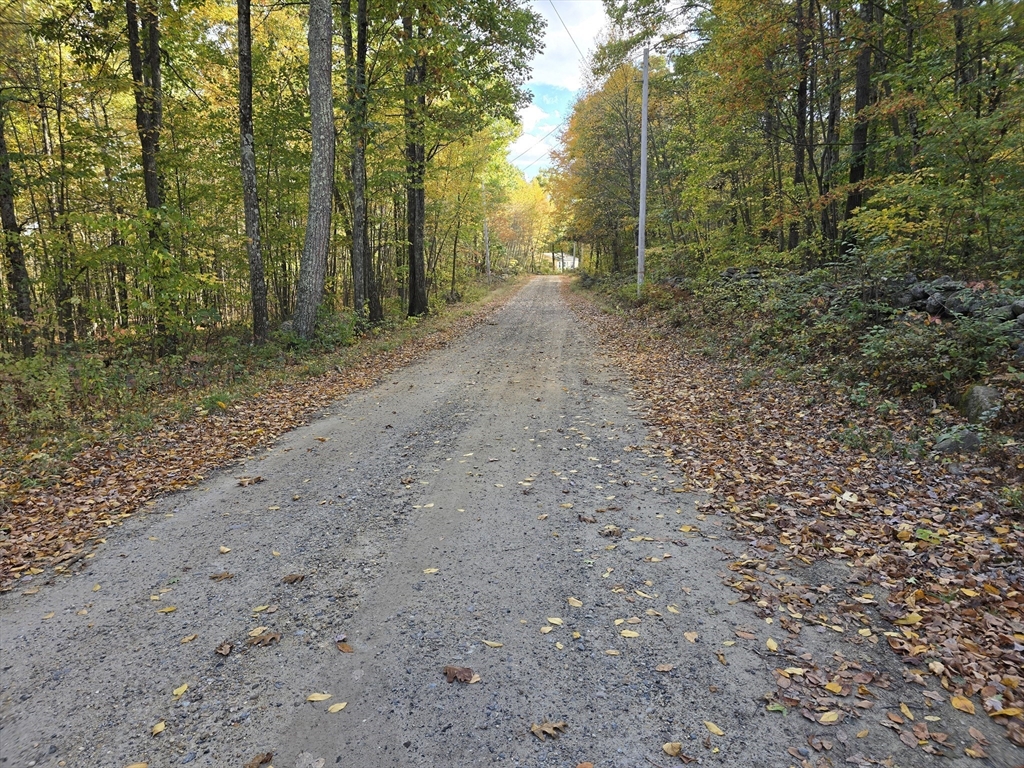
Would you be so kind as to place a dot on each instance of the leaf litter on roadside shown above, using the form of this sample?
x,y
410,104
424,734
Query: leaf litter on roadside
x,y
775,459
462,674
548,728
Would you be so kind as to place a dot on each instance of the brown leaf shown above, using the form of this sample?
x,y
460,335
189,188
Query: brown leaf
x,y
259,760
549,728
243,481
224,649
462,674
293,578
586,519
346,648
221,576
264,639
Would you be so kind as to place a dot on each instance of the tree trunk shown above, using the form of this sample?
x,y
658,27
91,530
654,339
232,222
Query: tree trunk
x,y
415,166
862,95
257,281
800,143
17,272
313,265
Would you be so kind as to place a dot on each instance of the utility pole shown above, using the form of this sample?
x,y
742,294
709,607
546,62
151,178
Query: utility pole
x,y
487,236
642,228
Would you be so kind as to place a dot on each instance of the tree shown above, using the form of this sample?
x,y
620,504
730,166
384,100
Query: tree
x,y
17,273
251,202
313,266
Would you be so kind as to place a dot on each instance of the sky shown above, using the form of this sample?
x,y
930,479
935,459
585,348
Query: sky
x,y
558,74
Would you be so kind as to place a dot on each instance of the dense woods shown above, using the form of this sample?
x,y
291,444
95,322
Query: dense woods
x,y
171,168
880,136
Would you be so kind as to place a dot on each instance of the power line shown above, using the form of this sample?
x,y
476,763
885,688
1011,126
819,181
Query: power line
x,y
566,28
534,146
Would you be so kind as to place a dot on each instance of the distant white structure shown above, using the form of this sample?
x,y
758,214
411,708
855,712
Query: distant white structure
x,y
561,261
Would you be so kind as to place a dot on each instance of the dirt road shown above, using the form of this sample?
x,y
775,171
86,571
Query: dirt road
x,y
461,501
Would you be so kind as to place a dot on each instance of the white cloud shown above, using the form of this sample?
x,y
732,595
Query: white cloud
x,y
531,116
560,63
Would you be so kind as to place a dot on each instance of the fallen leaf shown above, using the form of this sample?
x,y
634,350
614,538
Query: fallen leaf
x,y
963,704
159,727
337,707
475,678
168,609
221,576
664,667
180,690
462,674
975,751
862,734
551,729
587,764
318,697
224,649
96,588
557,622
293,578
264,639
260,608
691,636
828,717
224,550
910,619
833,687
344,647
49,615
906,711
188,639
138,765
772,644
1007,712
611,652
492,644
629,633
259,760
746,635
672,748
721,658
545,629
713,728
257,631
574,602
431,570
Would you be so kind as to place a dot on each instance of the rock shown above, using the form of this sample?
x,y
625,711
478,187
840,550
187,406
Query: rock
x,y
903,301
1017,308
1020,321
947,284
1019,354
955,305
918,292
1000,314
982,404
961,442
935,305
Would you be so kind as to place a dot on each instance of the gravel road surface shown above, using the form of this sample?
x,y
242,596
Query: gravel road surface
x,y
500,490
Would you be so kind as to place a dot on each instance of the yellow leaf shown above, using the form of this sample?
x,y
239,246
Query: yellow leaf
x,y
772,645
906,711
644,594
629,633
829,717
159,727
688,528
910,619
475,678
337,707
834,687
188,639
97,588
168,609
318,697
672,748
138,765
180,690
969,592
862,734
619,621
691,636
225,550
796,671
257,631
431,570
611,652
275,553
259,608
49,615
557,622
964,705
545,629
493,644
574,602
1008,712
714,728
559,646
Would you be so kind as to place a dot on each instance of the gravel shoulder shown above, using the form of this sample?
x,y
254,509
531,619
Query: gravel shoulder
x,y
448,506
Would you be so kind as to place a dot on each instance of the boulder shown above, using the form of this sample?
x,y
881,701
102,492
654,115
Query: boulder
x,y
935,305
918,292
961,442
1000,314
982,404
1017,308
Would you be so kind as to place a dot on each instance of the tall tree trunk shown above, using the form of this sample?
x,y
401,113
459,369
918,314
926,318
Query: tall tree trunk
x,y
257,281
415,165
17,271
862,96
800,143
313,265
